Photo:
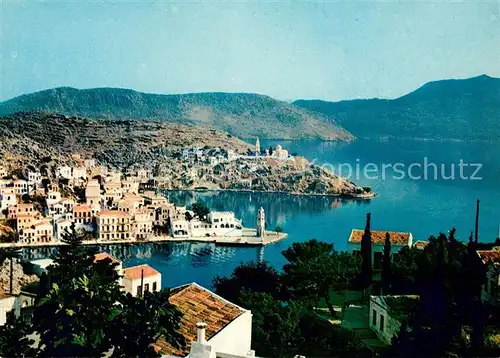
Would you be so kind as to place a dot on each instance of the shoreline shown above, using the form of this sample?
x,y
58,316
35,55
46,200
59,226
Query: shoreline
x,y
248,239
341,196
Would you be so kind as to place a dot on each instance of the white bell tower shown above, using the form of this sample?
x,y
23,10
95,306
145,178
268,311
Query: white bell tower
x,y
261,222
257,147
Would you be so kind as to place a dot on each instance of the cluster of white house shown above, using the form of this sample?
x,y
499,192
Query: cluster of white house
x,y
223,329
387,312
111,209
215,156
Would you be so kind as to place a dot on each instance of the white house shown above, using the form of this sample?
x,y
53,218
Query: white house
x,y
217,223
64,171
145,274
20,187
62,227
491,289
387,313
223,328
398,241
7,198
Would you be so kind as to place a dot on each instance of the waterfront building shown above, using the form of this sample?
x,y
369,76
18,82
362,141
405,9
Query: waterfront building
x,y
63,226
139,279
387,313
21,209
143,225
398,241
490,292
261,222
217,223
223,328
83,216
113,225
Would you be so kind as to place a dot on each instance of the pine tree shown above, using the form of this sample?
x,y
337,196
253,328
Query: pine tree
x,y
386,264
366,254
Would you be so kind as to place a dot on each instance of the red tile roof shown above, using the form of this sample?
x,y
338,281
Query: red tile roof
x,y
421,244
198,305
135,272
489,256
111,213
103,255
81,207
378,237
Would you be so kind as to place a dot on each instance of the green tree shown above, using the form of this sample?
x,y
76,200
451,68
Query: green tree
x,y
386,265
85,313
200,210
14,341
314,269
251,276
366,254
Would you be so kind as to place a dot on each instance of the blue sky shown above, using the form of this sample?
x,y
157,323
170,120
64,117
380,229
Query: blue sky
x,y
328,50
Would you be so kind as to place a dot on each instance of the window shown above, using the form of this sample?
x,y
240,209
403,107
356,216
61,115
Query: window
x,y
382,323
146,287
374,318
139,290
154,286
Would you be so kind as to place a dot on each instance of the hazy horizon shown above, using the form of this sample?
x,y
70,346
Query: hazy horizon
x,y
331,51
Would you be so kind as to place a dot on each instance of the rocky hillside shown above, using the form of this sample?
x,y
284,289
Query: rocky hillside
x,y
32,136
242,114
450,109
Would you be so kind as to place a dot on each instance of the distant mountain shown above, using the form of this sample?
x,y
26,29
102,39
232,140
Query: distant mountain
x,y
449,109
241,114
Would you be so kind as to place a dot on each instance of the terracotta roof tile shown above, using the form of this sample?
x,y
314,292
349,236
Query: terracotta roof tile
x,y
81,208
135,272
103,255
421,244
489,256
199,305
378,237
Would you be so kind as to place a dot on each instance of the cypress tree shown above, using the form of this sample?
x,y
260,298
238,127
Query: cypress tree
x,y
366,253
386,264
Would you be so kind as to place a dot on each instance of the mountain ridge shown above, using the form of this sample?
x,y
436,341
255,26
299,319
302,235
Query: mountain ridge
x,y
245,115
458,109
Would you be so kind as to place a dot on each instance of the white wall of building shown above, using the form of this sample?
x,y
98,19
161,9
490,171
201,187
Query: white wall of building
x,y
130,286
389,327
236,337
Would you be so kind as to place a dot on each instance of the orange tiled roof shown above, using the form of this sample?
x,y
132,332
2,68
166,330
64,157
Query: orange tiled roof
x,y
421,244
81,207
198,305
111,213
103,255
489,256
378,237
135,272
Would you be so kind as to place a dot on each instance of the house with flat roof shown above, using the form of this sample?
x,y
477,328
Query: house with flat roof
x,y
212,326
398,241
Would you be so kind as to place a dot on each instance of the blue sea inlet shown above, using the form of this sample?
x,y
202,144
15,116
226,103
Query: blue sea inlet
x,y
421,206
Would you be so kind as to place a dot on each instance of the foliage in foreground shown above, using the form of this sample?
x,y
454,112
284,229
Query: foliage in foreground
x,y
82,312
